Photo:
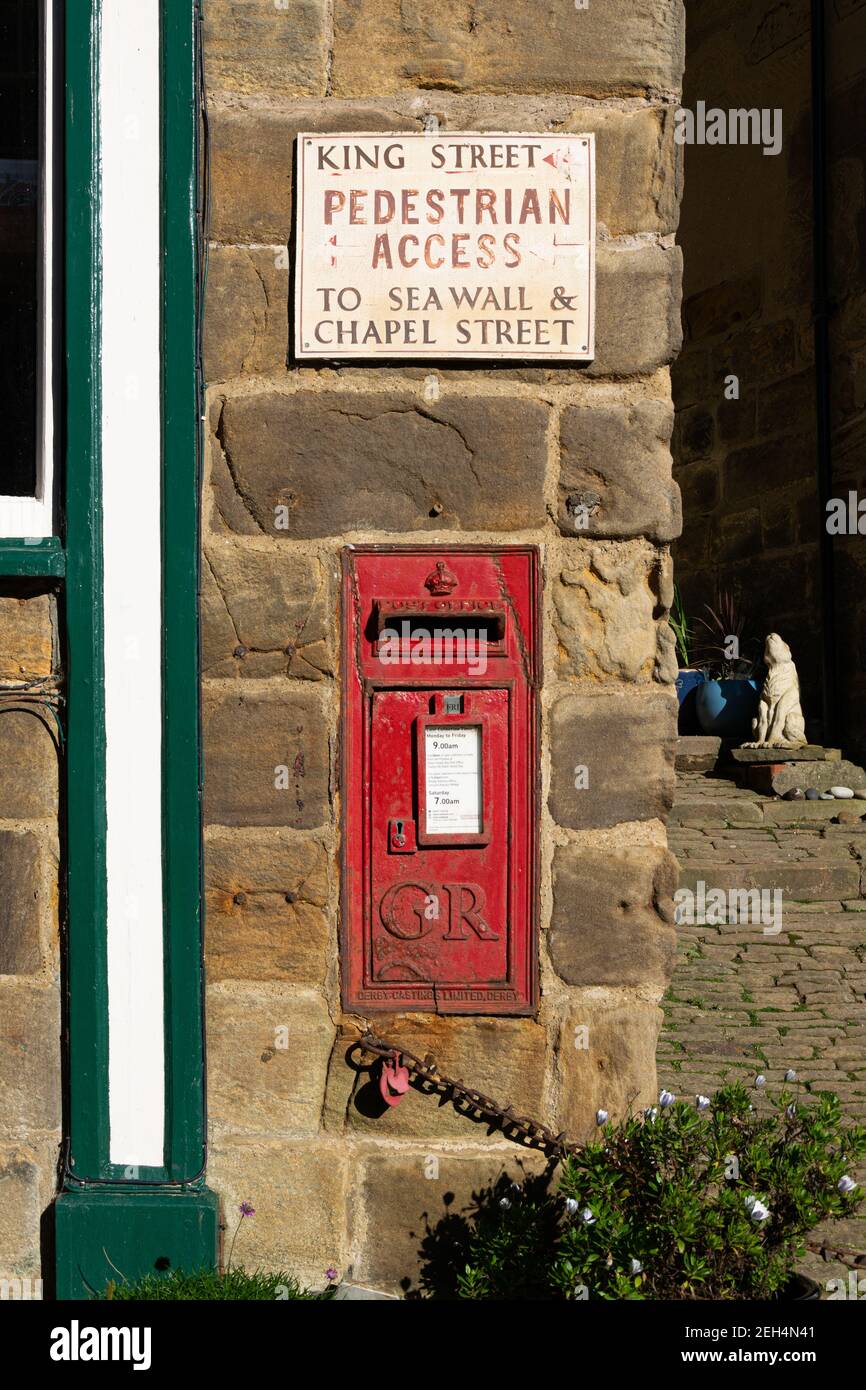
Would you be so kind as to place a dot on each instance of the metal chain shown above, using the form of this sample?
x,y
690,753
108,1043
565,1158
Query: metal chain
x,y
521,1128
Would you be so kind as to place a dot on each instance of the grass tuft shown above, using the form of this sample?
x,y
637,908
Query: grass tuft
x,y
209,1286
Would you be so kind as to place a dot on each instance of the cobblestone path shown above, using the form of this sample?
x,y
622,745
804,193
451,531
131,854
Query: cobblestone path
x,y
744,999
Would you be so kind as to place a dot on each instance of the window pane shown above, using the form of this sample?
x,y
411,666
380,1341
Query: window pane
x,y
19,241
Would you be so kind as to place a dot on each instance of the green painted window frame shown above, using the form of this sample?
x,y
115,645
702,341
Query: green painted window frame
x,y
73,558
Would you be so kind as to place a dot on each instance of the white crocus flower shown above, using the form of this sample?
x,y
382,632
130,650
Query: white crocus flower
x,y
790,1074
702,1102
756,1208
587,1217
601,1117
760,1080
846,1184
791,1110
636,1267
666,1099
571,1205
651,1114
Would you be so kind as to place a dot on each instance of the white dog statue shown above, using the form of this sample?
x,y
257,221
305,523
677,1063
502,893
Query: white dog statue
x,y
780,722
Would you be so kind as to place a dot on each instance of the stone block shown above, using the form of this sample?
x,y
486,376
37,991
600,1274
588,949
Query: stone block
x,y
26,636
29,1058
615,478
266,899
722,308
605,614
504,1058
699,487
298,1190
20,1213
821,775
20,884
697,752
264,613
266,759
400,1198
740,534
694,434
605,1060
787,404
268,1051
689,377
612,915
638,326
471,464
252,154
626,740
28,768
258,48
760,468
252,151
756,355
387,45
247,312
638,173
737,419
808,753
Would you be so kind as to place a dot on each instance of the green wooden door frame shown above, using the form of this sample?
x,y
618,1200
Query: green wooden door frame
x,y
161,1213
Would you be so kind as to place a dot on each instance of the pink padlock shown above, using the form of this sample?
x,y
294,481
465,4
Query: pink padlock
x,y
394,1081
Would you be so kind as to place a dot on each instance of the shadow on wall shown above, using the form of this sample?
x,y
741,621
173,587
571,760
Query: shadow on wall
x,y
745,442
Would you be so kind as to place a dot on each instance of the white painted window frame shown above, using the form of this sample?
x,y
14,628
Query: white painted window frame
x,y
32,518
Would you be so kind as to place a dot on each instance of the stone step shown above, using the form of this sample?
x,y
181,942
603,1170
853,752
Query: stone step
x,y
809,752
709,813
809,882
704,813
697,752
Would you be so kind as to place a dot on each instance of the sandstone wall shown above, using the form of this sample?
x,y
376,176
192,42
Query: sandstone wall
x,y
29,938
847,189
747,468
420,453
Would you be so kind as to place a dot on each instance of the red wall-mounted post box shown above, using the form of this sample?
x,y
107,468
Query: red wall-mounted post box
x,y
440,768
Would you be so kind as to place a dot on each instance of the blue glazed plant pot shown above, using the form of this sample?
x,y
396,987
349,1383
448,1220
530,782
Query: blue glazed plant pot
x,y
727,708
688,682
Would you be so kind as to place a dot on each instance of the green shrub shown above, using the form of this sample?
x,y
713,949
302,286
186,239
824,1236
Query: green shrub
x,y
208,1285
688,1201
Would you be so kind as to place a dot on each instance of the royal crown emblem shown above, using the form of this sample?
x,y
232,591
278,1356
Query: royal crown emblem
x,y
441,580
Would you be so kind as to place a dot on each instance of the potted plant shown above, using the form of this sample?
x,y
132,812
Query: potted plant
x,y
689,677
727,700
710,1199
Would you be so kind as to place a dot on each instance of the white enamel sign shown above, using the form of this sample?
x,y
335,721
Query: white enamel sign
x,y
453,777
445,246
